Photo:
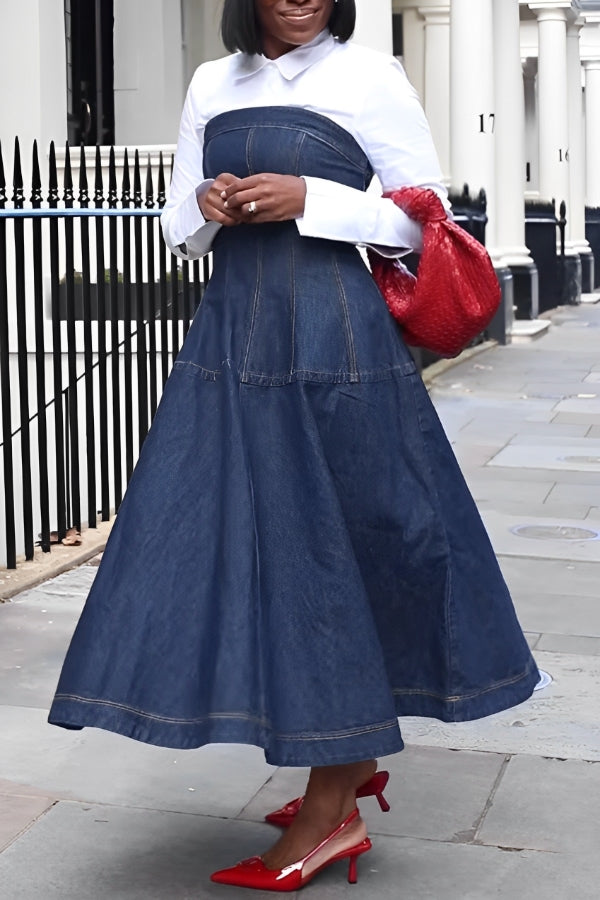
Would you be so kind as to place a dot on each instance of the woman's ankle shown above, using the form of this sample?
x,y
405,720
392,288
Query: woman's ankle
x,y
332,789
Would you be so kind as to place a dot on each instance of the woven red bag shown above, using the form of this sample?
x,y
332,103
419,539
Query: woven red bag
x,y
455,293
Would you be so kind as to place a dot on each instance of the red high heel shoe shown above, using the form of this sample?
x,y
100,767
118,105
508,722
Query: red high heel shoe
x,y
374,787
252,873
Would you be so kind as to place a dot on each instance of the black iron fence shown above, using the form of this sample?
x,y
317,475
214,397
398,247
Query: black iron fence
x,y
93,310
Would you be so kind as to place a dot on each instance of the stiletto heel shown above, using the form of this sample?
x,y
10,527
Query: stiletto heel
x,y
385,806
374,787
252,873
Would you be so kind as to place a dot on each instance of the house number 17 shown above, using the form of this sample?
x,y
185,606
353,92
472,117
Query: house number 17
x,y
487,124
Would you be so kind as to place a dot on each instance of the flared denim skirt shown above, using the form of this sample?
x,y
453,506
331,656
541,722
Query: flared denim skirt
x,y
297,561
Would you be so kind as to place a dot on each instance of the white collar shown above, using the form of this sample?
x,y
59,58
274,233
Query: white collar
x,y
289,64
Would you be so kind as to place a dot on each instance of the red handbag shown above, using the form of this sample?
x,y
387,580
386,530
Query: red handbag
x,y
455,293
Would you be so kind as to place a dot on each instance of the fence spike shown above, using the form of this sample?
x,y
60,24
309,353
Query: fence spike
x,y
84,197
53,197
126,198
149,186
137,181
112,180
162,197
2,180
68,178
36,179
18,194
99,182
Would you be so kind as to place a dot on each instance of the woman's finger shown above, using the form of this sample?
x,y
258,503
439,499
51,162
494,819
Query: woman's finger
x,y
243,184
242,199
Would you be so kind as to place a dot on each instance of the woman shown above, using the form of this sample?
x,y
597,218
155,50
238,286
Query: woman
x,y
298,560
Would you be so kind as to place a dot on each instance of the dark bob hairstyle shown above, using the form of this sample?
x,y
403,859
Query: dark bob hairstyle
x,y
240,29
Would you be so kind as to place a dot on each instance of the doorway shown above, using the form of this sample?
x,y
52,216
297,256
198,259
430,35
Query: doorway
x,y
89,29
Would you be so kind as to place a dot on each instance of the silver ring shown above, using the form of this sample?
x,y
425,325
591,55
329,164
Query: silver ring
x,y
252,207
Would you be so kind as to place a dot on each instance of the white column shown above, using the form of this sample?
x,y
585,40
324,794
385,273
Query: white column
x,y
201,33
576,212
553,100
472,103
532,149
592,118
413,55
436,97
33,91
374,24
510,135
149,71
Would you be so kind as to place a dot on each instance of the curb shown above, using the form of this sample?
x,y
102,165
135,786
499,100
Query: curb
x,y
443,365
61,559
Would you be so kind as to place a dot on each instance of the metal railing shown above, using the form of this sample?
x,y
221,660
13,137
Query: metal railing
x,y
93,310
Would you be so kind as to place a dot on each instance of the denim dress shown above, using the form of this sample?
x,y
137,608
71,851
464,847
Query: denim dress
x,y
298,560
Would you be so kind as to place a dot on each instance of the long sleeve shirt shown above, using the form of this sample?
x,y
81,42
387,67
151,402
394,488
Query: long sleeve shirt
x,y
364,91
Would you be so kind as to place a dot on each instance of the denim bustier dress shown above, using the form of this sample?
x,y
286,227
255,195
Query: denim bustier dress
x,y
297,561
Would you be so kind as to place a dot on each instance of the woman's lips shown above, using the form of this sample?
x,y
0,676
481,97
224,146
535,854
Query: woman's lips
x,y
299,16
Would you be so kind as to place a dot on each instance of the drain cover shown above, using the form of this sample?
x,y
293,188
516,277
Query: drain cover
x,y
582,460
545,680
555,533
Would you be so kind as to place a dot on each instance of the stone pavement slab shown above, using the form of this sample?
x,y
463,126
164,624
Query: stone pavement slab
x,y
577,542
586,494
17,814
101,767
543,455
560,721
407,869
556,614
553,577
569,643
100,852
419,776
95,852
546,804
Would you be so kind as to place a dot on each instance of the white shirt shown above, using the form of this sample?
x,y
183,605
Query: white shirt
x,y
364,91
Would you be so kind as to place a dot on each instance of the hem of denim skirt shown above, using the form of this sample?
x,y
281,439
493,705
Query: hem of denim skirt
x,y
466,709
373,741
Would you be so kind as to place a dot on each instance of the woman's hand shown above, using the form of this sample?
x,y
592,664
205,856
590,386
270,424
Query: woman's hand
x,y
211,204
264,198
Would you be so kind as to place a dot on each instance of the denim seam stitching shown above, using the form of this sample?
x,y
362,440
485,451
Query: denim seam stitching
x,y
299,147
249,142
300,737
457,698
335,735
433,488
359,166
350,348
174,720
254,310
211,373
293,306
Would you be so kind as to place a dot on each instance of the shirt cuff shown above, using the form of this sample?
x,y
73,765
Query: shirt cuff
x,y
337,212
187,233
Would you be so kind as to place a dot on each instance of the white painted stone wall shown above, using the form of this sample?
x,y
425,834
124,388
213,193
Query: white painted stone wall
x,y
149,71
33,99
374,24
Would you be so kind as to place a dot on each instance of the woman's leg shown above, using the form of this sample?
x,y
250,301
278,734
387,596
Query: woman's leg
x,y
329,799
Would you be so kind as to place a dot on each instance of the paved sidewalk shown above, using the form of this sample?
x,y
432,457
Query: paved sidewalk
x,y
502,808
